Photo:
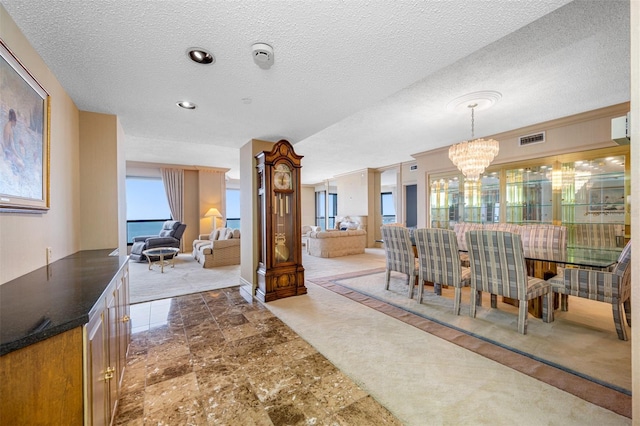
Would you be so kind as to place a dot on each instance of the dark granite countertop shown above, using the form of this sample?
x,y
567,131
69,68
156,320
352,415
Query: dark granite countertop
x,y
55,298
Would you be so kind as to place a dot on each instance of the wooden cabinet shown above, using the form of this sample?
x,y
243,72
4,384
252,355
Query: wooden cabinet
x,y
108,334
41,384
67,370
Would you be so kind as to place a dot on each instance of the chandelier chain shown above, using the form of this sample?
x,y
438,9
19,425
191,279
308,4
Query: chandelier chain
x,y
473,108
472,123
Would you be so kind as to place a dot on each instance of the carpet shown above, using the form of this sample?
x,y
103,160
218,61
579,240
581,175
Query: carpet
x,y
186,277
578,353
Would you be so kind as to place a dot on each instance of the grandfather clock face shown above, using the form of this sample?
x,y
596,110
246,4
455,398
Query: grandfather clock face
x,y
282,177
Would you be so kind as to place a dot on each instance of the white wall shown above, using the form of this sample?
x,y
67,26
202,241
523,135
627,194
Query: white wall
x,y
25,237
635,199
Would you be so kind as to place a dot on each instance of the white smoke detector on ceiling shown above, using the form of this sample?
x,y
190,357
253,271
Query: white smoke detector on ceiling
x,y
262,55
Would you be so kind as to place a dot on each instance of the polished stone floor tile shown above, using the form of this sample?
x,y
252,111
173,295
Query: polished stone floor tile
x,y
213,358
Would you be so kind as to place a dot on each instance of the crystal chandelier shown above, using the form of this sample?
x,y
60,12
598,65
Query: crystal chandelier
x,y
472,157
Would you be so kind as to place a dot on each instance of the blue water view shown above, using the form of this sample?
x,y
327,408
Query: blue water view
x,y
137,229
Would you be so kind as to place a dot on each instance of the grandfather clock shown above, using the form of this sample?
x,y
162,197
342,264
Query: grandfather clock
x,y
280,270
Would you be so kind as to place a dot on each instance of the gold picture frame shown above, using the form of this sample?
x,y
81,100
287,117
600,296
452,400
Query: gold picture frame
x,y
24,138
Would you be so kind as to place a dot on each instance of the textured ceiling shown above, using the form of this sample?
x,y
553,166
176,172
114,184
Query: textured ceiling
x,y
355,84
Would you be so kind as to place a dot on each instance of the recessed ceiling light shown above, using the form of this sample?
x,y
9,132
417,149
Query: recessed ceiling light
x,y
200,56
187,105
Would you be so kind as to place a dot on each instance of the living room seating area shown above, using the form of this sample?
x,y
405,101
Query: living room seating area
x,y
169,236
219,248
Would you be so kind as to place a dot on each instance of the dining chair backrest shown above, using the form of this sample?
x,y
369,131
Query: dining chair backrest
x,y
621,268
461,229
601,235
438,256
506,227
497,263
543,237
398,249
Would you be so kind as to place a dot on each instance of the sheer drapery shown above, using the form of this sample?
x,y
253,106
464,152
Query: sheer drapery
x,y
173,180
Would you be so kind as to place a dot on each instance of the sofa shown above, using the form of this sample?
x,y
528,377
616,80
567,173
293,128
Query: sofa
x,y
219,248
336,243
169,236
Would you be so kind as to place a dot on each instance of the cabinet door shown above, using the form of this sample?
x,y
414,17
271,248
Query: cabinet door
x,y
112,349
99,377
124,324
530,194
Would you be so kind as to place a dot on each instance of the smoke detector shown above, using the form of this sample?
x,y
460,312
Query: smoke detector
x,y
262,55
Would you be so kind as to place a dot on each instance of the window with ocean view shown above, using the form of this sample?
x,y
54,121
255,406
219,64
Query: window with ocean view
x,y
388,208
233,208
147,206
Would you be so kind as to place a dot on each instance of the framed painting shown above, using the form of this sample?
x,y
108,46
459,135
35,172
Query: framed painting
x,y
24,142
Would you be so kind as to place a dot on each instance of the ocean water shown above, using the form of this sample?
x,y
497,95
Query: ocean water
x,y
137,229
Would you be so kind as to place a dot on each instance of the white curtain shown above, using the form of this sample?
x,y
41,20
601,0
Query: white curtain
x,y
173,180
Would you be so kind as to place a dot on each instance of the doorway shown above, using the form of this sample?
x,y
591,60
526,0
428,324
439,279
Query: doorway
x,y
411,205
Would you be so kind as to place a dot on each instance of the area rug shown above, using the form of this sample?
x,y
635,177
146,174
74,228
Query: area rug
x,y
185,277
595,368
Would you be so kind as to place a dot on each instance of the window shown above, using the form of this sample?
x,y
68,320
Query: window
x,y
147,206
388,208
233,208
333,210
320,209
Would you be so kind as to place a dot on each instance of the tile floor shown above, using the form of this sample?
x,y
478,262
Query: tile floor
x,y
214,358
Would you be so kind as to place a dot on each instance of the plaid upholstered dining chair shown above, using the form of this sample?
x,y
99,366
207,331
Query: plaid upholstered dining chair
x,y
399,254
438,262
498,267
609,287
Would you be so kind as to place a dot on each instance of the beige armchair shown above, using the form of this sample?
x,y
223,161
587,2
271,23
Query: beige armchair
x,y
220,248
306,230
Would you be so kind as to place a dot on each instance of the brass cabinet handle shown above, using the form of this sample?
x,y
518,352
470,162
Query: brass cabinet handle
x,y
126,318
109,374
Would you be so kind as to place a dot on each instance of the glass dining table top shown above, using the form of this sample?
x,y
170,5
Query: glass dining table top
x,y
577,256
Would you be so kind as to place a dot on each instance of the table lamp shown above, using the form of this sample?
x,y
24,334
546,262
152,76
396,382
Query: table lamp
x,y
213,213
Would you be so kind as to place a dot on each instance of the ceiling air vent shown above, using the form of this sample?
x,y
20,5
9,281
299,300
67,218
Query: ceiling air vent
x,y
531,139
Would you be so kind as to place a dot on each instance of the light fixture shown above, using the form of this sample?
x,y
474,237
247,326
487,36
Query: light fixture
x,y
214,214
200,56
472,157
187,105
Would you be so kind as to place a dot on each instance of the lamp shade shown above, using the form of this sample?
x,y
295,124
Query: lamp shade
x,y
212,212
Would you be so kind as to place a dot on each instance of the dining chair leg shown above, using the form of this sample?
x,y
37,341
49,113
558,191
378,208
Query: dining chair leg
x,y
420,289
456,301
617,319
547,307
472,304
437,289
627,311
412,283
523,314
564,302
387,277
494,301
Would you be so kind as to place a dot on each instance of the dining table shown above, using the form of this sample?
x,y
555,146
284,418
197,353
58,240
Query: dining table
x,y
544,263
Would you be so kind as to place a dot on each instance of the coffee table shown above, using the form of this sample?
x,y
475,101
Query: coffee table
x,y
161,253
